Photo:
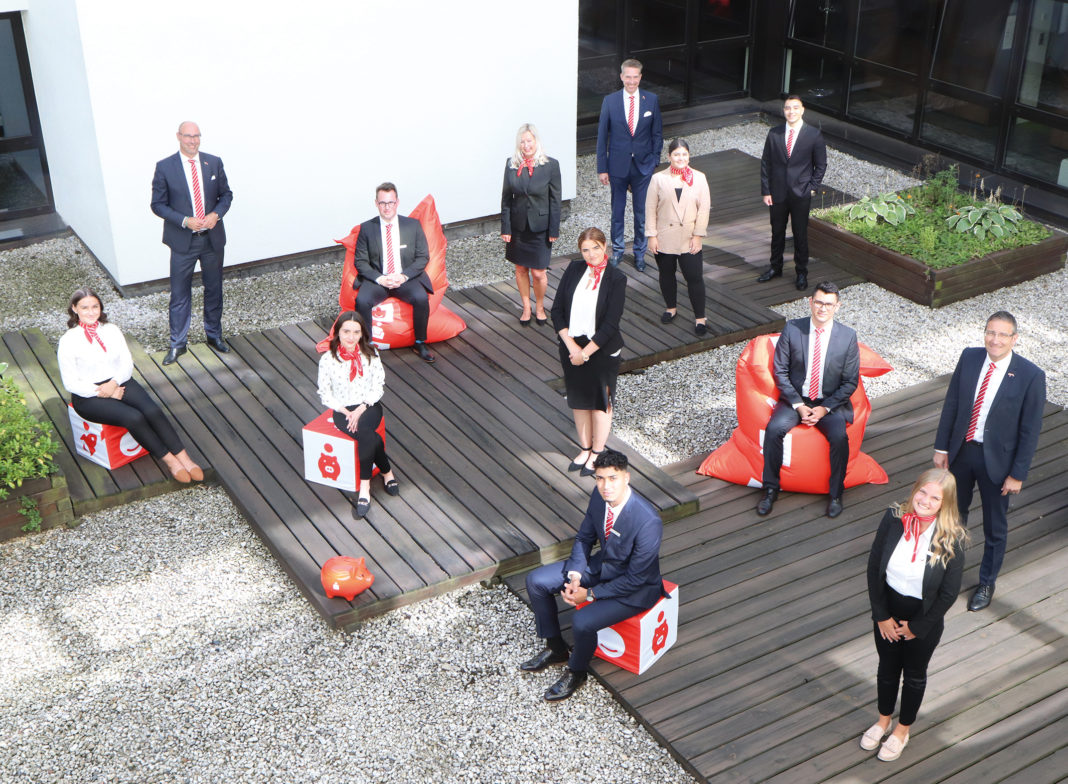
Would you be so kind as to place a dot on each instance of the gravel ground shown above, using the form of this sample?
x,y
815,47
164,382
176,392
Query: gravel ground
x,y
179,651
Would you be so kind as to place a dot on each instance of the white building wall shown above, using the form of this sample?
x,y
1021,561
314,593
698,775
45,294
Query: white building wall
x,y
309,105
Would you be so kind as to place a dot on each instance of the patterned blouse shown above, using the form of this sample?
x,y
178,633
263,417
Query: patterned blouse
x,y
337,392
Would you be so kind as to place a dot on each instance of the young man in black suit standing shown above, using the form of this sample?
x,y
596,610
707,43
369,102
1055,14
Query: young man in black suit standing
x,y
791,170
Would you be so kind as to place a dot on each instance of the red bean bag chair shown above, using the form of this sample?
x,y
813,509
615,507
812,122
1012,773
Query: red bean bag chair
x,y
391,322
806,457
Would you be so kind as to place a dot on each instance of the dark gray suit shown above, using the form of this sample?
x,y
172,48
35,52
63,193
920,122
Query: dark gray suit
x,y
413,257
790,183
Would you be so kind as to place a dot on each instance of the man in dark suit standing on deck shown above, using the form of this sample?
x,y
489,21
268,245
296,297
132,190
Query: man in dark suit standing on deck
x,y
791,171
620,580
987,436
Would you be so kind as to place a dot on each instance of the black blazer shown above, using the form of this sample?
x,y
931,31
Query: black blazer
x,y
941,584
414,251
611,297
799,175
841,366
531,201
1010,434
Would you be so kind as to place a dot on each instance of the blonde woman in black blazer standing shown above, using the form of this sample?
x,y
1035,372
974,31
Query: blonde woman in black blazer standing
x,y
530,217
914,576
586,312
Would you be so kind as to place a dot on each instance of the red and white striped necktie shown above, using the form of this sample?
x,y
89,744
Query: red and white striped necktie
x,y
790,143
198,199
814,376
609,519
630,115
970,436
391,263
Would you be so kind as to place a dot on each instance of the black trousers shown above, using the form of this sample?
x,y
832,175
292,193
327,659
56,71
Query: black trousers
x,y
138,413
369,446
412,292
904,662
833,426
181,306
969,469
796,209
692,269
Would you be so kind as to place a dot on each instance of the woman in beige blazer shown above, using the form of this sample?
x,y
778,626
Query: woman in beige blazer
x,y
676,218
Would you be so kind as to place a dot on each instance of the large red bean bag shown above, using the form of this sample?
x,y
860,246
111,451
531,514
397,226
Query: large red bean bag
x,y
806,457
391,322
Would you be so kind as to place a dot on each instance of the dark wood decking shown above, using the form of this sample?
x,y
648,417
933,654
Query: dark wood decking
x,y
772,677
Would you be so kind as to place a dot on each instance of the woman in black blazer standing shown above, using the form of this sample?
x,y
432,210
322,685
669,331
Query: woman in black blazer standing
x,y
530,217
914,576
586,312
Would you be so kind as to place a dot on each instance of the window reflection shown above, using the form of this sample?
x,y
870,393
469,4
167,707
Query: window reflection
x,y
974,46
820,22
817,80
892,32
656,23
722,19
664,73
1045,76
883,99
1038,150
14,117
960,125
22,181
597,28
718,71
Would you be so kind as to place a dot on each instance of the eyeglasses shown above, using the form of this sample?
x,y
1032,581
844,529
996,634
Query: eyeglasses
x,y
190,135
387,204
818,305
1002,335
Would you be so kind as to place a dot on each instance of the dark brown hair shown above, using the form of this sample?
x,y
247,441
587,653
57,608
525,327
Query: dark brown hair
x,y
78,296
364,342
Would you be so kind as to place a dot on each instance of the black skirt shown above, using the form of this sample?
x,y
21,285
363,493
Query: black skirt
x,y
530,249
592,386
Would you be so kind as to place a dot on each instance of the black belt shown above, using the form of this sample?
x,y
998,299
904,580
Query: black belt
x,y
200,233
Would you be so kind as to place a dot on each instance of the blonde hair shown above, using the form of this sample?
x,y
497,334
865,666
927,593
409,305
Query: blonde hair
x,y
540,158
948,530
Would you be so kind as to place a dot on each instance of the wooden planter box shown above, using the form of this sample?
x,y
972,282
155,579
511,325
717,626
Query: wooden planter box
x,y
53,502
914,280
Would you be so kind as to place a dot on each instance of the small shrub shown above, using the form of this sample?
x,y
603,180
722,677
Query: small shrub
x,y
26,448
29,509
993,217
888,206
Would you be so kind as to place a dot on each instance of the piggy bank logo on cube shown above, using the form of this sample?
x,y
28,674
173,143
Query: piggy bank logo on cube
x,y
639,641
108,445
330,456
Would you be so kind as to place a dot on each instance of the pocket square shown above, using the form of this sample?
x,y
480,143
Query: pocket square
x,y
614,532
213,176
647,114
402,247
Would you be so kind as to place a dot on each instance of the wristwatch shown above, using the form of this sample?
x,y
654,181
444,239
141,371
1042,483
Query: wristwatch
x,y
589,594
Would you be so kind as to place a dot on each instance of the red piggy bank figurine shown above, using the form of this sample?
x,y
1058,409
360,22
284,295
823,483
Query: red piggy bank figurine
x,y
345,576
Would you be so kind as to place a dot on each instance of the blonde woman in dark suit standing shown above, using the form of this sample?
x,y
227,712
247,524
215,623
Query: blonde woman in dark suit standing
x,y
676,219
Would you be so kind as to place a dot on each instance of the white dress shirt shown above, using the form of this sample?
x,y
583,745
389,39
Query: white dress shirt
x,y
616,511
1000,368
336,390
902,573
584,305
637,107
398,267
825,340
189,183
83,366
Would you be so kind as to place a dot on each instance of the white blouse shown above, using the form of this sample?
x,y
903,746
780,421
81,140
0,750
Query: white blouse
x,y
84,365
584,306
902,573
337,392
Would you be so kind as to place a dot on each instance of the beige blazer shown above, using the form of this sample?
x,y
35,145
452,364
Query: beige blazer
x,y
674,221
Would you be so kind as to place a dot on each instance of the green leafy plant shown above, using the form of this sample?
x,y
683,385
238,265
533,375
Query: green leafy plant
x,y
889,206
26,449
990,217
29,509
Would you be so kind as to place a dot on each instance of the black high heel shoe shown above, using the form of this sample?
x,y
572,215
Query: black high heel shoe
x,y
577,465
589,471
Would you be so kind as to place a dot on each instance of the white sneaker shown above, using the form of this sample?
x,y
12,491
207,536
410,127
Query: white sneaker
x,y
892,748
873,736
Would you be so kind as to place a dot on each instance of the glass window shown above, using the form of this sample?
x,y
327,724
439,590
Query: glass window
x,y
597,28
975,44
892,32
664,73
594,83
883,99
1038,150
820,22
656,23
817,80
14,117
22,181
960,125
722,19
1045,76
719,70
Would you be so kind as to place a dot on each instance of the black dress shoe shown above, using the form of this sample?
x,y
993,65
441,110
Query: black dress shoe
x,y
363,505
392,487
173,354
769,273
544,659
981,598
834,507
424,352
219,345
768,501
667,316
524,322
700,329
542,321
802,281
566,686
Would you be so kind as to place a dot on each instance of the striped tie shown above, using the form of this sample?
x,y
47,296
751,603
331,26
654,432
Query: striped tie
x,y
630,116
814,377
198,199
391,264
608,521
790,143
970,435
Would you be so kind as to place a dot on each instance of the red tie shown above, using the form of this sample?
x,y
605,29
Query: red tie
x,y
970,436
790,143
390,261
630,116
608,520
814,378
198,200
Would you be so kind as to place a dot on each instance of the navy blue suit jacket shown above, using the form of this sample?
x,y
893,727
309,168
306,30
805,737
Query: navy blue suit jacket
x,y
1010,434
171,200
414,251
627,567
802,172
615,145
841,366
